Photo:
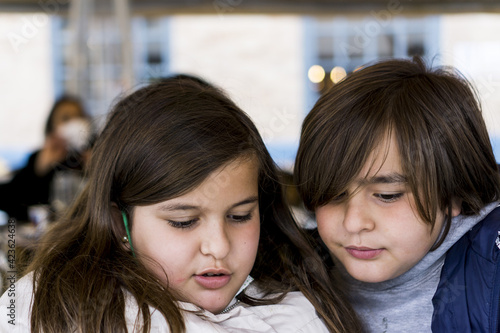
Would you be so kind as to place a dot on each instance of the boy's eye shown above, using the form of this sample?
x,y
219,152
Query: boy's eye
x,y
182,224
339,197
388,197
240,218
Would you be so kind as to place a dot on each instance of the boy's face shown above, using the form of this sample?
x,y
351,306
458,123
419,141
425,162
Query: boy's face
x,y
377,233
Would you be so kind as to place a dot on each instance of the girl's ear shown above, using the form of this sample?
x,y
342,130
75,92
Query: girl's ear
x,y
117,224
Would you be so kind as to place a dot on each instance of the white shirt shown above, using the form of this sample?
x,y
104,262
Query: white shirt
x,y
293,314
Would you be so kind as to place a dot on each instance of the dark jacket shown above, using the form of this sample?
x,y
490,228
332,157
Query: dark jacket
x,y
27,189
468,295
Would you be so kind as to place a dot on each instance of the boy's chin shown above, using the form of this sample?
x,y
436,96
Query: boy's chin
x,y
371,276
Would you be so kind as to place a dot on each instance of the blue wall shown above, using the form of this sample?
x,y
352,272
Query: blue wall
x,y
283,154
495,142
15,158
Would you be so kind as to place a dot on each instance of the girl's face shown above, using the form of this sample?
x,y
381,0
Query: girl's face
x,y
377,233
206,240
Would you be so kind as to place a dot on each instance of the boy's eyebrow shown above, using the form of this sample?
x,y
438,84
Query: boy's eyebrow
x,y
181,206
392,178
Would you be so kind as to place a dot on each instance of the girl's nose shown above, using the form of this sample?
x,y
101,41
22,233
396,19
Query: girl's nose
x,y
215,240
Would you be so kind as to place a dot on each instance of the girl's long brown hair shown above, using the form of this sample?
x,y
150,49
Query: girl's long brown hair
x,y
161,142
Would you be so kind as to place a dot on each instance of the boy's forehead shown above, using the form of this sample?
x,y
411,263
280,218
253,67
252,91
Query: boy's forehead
x,y
384,161
389,178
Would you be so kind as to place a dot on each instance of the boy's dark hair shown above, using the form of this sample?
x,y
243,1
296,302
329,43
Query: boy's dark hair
x,y
434,115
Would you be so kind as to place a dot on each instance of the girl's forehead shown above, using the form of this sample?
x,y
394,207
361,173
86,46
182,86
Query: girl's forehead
x,y
234,182
243,168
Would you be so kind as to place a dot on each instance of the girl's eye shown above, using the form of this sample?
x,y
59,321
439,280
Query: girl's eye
x,y
240,218
182,224
388,197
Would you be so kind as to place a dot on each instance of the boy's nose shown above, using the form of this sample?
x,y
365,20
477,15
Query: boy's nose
x,y
356,216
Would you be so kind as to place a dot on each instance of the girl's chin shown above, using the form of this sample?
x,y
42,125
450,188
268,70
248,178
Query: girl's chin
x,y
214,305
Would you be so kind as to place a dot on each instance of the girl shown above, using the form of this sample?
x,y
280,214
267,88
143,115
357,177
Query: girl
x,y
396,162
182,210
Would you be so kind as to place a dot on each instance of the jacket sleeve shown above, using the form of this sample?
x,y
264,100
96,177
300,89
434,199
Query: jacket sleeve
x,y
468,295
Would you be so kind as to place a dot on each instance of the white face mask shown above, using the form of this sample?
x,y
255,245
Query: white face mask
x,y
76,132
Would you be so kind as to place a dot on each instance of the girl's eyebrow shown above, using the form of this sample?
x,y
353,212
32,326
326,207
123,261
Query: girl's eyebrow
x,y
246,201
391,178
181,206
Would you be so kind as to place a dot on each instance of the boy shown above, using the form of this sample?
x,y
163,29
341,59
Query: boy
x,y
396,162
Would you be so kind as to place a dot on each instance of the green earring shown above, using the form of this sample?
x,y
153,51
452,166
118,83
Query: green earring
x,y
128,237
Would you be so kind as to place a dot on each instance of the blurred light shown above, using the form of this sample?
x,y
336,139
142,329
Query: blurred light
x,y
337,74
316,74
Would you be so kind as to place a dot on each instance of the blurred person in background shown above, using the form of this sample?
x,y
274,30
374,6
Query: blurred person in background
x,y
66,148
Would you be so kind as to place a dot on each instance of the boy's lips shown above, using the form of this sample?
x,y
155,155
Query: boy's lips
x,y
213,278
363,252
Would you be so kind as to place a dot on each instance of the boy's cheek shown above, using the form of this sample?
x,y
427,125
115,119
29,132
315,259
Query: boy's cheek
x,y
326,231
